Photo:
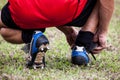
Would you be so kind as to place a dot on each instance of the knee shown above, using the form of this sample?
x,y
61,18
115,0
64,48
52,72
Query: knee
x,y
11,35
4,32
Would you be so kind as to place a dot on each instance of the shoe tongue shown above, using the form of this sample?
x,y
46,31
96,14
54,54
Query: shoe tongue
x,y
79,48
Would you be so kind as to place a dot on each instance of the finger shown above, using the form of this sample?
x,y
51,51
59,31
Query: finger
x,y
95,39
102,41
99,48
70,40
103,44
96,52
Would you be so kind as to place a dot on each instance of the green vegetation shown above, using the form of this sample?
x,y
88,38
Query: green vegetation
x,y
58,66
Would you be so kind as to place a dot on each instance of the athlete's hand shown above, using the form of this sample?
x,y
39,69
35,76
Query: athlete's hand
x,y
71,37
70,33
100,38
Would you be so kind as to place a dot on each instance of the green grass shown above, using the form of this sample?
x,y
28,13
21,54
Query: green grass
x,y
58,66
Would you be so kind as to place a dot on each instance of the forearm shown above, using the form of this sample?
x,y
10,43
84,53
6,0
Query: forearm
x,y
67,30
106,8
70,34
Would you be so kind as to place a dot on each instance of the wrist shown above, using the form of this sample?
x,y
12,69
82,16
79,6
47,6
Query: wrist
x,y
103,31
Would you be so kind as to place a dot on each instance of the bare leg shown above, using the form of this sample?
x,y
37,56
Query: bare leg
x,y
10,35
92,22
91,25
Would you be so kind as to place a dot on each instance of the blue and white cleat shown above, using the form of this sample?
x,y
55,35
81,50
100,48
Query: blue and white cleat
x,y
80,56
38,47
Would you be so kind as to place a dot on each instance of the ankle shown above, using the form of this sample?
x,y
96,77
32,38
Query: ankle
x,y
85,38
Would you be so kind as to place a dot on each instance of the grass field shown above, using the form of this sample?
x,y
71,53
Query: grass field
x,y
58,66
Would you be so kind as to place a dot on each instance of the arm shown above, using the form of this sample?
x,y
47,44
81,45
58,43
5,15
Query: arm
x,y
106,8
70,34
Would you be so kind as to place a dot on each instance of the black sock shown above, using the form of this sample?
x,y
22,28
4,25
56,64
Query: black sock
x,y
85,38
27,36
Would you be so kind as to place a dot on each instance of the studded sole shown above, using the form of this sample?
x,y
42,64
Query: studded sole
x,y
39,61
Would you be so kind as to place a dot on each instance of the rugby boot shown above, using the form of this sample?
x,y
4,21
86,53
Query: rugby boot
x,y
79,56
38,47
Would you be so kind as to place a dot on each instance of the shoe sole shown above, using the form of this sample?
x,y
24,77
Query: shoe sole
x,y
39,61
79,60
